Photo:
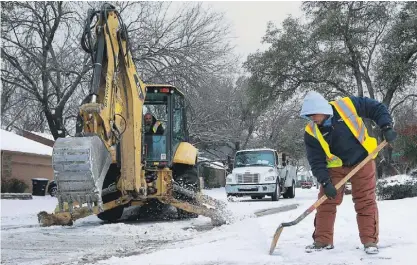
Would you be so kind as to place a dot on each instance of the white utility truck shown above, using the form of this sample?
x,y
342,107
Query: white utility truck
x,y
261,172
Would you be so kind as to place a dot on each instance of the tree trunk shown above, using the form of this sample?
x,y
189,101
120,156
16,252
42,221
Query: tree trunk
x,y
55,123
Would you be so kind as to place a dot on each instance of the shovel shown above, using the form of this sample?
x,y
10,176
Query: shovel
x,y
323,198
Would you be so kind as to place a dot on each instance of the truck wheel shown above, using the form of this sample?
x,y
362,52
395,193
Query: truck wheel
x,y
290,192
276,194
188,179
231,198
52,191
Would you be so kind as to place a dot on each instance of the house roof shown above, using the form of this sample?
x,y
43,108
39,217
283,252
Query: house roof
x,y
213,164
13,142
44,135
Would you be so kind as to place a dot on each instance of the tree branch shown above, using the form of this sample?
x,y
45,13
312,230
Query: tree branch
x,y
401,102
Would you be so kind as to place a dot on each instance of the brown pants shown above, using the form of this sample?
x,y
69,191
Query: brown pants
x,y
364,198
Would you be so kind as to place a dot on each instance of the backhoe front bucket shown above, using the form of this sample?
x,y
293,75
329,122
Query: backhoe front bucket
x,y
80,165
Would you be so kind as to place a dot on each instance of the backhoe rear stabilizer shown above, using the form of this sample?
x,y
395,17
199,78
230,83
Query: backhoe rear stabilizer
x,y
204,205
66,217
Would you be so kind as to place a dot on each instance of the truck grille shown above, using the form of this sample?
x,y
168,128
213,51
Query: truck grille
x,y
247,178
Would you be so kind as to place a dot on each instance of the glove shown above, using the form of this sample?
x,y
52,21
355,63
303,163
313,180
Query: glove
x,y
389,134
329,190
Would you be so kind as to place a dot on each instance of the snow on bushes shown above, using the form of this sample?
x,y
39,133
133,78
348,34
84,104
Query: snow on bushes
x,y
397,187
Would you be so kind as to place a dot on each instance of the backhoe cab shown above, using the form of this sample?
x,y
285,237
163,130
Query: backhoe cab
x,y
166,105
117,159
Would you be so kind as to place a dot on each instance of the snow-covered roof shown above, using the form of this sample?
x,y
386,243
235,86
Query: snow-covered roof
x,y
216,164
44,135
13,142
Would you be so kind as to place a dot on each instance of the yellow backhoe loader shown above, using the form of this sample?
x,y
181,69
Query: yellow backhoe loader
x,y
112,162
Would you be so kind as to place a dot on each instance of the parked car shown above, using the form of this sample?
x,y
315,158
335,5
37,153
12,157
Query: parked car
x,y
306,184
52,187
348,188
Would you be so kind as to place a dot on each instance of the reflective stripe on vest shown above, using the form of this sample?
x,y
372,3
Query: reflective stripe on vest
x,y
155,126
332,160
348,113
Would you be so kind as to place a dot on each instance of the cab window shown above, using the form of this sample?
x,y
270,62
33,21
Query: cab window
x,y
178,120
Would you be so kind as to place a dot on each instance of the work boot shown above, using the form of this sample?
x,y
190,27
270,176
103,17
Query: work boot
x,y
371,248
317,246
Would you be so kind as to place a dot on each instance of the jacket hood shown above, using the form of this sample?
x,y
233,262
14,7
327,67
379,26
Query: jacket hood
x,y
315,103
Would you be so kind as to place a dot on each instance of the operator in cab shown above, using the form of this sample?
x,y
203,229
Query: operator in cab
x,y
152,125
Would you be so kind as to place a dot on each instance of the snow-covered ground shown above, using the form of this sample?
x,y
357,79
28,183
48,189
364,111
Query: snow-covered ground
x,y
195,241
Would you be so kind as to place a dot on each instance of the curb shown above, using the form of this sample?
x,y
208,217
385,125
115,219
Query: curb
x,y
275,210
16,196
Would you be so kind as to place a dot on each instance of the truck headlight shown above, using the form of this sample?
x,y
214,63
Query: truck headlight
x,y
228,180
270,178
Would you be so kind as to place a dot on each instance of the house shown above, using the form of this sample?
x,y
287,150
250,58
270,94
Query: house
x,y
24,159
213,173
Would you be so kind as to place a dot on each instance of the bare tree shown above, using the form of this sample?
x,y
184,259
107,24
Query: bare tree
x,y
186,46
40,43
211,114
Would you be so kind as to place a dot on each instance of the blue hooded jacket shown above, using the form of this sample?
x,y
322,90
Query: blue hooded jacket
x,y
337,134
315,103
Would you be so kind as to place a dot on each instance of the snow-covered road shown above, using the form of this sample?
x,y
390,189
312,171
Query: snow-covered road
x,y
195,241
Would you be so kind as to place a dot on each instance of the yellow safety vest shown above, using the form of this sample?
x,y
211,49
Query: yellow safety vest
x,y
348,113
155,126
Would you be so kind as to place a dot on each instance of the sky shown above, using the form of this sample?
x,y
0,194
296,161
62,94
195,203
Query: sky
x,y
249,20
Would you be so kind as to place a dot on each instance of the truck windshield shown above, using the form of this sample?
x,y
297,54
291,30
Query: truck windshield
x,y
254,158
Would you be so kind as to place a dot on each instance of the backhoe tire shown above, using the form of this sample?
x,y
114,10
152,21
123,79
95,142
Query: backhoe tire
x,y
111,215
117,212
153,209
188,179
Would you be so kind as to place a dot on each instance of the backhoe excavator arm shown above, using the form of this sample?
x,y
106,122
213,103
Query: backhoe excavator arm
x,y
110,129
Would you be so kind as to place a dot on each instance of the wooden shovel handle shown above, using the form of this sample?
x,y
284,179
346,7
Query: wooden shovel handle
x,y
351,173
